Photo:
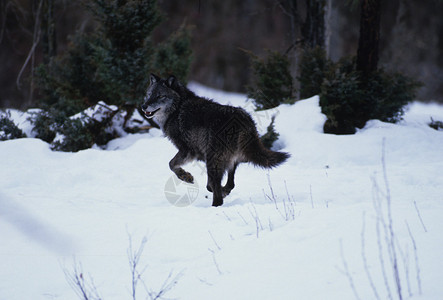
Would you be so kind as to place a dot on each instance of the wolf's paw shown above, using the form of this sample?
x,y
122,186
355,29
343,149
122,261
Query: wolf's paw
x,y
185,176
225,191
217,202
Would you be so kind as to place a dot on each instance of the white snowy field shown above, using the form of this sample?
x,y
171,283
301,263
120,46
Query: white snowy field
x,y
347,217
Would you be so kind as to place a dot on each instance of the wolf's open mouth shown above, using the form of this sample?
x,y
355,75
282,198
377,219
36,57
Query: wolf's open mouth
x,y
150,114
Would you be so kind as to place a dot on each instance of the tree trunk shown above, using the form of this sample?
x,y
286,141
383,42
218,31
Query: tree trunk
x,y
314,41
328,13
313,29
49,45
367,54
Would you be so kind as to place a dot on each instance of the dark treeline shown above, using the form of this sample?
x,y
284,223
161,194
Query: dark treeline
x,y
411,39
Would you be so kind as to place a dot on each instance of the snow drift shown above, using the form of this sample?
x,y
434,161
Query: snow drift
x,y
318,227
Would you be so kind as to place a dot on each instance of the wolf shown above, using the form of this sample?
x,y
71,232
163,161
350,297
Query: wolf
x,y
222,136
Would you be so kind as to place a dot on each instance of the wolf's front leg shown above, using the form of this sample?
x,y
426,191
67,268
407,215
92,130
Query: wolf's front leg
x,y
175,165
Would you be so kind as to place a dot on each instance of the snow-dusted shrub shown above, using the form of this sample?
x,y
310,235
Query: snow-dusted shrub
x,y
8,129
270,136
96,125
76,135
437,125
313,67
342,101
347,97
271,85
272,82
350,99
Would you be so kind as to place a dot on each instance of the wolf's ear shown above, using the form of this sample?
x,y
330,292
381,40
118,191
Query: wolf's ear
x,y
154,78
172,81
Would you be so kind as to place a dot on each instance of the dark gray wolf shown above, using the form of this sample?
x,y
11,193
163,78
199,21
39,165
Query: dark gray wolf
x,y
220,135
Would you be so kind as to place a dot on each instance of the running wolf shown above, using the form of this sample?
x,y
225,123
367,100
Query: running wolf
x,y
222,136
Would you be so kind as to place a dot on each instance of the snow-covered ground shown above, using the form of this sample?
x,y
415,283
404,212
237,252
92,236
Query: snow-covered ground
x,y
334,222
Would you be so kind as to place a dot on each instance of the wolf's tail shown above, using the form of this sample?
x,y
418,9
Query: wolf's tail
x,y
259,155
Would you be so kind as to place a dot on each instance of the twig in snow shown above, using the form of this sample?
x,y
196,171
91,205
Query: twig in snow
x,y
272,198
310,193
290,209
85,289
255,216
213,239
419,216
205,281
404,255
215,262
380,222
134,259
365,262
347,273
246,223
167,285
227,217
417,266
391,244
270,186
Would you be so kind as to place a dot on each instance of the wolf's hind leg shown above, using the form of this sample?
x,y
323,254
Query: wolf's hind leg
x,y
215,175
175,165
230,183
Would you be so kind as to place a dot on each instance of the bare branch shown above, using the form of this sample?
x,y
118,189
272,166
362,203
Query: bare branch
x,y
85,290
417,265
310,193
419,216
137,276
213,239
347,273
215,261
380,222
391,245
365,262
37,33
258,224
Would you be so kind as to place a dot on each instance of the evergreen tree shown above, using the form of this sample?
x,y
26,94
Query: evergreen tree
x,y
111,64
313,66
272,80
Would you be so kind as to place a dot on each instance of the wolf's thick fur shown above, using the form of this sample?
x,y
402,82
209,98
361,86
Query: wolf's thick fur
x,y
220,135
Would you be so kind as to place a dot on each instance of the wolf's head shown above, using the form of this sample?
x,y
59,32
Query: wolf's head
x,y
162,97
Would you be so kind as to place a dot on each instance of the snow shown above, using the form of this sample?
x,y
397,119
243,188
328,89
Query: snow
x,y
309,237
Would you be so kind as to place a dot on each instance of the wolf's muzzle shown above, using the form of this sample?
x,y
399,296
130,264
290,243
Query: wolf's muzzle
x,y
150,114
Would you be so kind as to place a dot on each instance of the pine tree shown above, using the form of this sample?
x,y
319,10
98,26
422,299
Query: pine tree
x,y
272,81
111,64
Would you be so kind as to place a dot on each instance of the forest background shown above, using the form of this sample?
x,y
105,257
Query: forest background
x,y
411,39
